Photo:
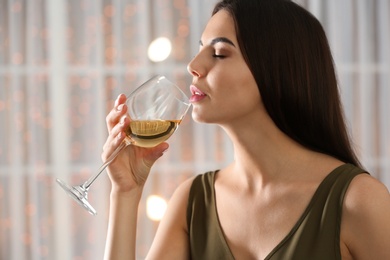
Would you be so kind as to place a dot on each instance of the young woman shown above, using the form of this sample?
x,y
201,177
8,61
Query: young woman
x,y
295,190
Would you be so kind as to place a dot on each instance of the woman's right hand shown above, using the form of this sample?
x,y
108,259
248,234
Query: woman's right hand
x,y
130,169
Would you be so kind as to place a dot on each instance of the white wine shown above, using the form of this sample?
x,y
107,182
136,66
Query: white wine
x,y
150,133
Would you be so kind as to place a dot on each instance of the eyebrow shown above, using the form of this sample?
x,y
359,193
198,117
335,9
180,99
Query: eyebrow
x,y
219,39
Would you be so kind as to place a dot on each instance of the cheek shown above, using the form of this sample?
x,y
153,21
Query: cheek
x,y
234,95
246,96
231,105
245,101
240,99
244,87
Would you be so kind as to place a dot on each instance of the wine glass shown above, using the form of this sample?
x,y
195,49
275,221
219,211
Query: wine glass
x,y
156,109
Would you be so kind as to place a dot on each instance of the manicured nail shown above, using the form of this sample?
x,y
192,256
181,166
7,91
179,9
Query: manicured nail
x,y
122,120
120,107
165,150
116,101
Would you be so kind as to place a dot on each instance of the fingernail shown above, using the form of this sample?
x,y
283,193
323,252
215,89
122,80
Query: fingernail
x,y
116,101
123,120
120,107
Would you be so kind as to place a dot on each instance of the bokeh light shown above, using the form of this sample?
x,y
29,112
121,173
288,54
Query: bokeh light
x,y
155,207
159,49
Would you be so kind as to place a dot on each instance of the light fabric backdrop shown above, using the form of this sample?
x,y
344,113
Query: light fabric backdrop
x,y
63,62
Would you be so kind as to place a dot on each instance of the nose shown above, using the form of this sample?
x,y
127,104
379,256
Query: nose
x,y
193,68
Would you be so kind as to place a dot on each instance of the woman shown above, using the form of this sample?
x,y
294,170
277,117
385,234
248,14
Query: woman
x,y
264,73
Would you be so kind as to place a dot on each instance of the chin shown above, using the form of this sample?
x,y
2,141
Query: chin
x,y
199,117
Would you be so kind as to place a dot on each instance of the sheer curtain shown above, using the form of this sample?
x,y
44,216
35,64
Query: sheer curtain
x,y
359,34
62,63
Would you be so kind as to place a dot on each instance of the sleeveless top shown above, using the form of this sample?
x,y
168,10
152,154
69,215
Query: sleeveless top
x,y
315,236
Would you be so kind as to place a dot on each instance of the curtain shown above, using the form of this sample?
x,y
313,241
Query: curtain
x,y
359,35
62,63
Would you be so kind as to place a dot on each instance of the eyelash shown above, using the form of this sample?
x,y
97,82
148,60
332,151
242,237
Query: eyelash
x,y
219,56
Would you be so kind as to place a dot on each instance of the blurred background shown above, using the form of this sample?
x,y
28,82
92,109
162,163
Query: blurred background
x,y
63,63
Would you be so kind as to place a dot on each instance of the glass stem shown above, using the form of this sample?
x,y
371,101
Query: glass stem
x,y
89,182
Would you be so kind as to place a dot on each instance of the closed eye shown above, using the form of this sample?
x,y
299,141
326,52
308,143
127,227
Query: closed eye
x,y
219,56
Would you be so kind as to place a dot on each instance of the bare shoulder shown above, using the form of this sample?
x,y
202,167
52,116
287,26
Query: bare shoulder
x,y
184,187
365,226
179,198
171,240
365,193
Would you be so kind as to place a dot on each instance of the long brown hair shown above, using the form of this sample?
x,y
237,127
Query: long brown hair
x,y
288,53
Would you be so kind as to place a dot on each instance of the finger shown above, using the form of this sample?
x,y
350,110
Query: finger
x,y
121,127
118,111
155,153
111,145
120,99
116,137
160,150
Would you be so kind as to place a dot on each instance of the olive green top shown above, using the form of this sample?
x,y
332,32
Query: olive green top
x,y
315,236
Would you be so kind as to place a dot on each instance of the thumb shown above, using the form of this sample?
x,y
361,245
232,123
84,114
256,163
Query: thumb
x,y
158,151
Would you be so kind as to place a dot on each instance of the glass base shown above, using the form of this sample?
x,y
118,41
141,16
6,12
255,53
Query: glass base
x,y
79,194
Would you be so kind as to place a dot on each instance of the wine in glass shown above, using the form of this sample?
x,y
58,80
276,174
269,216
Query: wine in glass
x,y
156,109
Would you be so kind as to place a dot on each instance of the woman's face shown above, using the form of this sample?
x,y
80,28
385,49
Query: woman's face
x,y
223,88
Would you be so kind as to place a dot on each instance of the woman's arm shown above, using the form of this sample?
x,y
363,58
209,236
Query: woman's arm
x,y
366,219
122,226
172,240
128,174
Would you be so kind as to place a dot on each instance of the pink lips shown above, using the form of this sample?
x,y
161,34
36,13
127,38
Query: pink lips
x,y
197,95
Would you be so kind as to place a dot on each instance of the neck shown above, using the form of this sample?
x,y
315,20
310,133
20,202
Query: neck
x,y
263,152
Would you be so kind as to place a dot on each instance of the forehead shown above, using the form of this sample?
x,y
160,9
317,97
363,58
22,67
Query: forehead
x,y
220,24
